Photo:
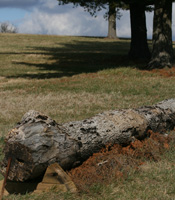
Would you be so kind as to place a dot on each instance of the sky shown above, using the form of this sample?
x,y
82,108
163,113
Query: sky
x,y
47,17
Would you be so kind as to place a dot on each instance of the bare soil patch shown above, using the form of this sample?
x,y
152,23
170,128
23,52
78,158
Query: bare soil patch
x,y
166,72
115,162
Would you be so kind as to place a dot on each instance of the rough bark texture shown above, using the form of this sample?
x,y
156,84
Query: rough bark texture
x,y
38,141
112,22
139,46
162,54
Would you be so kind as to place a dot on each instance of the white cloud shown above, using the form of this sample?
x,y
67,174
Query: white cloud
x,y
46,17
173,25
149,25
123,25
49,4
74,22
49,18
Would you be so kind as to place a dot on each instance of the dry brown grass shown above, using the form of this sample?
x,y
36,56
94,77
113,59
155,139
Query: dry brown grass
x,y
18,102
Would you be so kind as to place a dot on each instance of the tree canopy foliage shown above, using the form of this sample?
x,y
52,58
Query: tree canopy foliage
x,y
94,6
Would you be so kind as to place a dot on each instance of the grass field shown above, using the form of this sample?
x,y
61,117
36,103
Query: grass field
x,y
73,78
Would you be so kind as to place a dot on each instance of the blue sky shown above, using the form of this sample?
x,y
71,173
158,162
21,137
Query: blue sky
x,y
46,17
12,14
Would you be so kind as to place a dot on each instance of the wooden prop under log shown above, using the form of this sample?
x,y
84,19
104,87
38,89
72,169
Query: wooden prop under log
x,y
38,141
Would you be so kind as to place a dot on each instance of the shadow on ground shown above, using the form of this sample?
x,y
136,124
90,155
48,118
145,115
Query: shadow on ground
x,y
78,57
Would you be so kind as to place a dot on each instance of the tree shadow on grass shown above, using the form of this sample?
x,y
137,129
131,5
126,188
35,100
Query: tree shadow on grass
x,y
78,57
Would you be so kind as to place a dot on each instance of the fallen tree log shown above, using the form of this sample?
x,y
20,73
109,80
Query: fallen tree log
x,y
38,141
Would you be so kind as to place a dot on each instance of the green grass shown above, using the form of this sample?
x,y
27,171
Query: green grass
x,y
73,78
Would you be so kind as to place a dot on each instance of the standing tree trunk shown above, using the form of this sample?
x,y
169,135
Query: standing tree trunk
x,y
139,46
38,141
112,22
162,54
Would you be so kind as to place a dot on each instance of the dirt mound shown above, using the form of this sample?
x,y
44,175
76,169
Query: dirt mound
x,y
166,72
115,161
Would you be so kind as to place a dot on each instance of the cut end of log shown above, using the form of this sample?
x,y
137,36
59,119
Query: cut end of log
x,y
22,166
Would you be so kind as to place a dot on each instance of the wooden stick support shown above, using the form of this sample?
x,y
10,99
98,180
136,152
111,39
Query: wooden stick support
x,y
56,177
6,176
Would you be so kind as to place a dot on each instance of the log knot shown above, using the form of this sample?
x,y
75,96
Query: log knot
x,y
34,116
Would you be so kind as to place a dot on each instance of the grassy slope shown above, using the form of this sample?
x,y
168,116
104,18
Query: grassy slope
x,y
72,78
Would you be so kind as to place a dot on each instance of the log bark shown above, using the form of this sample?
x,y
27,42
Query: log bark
x,y
38,141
